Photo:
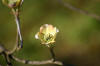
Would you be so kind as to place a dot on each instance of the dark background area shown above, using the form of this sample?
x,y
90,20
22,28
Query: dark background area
x,y
77,43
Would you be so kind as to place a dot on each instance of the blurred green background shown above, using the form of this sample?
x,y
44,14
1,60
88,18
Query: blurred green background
x,y
77,43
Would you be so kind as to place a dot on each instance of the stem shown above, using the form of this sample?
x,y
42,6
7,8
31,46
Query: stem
x,y
10,56
36,62
52,53
18,28
17,19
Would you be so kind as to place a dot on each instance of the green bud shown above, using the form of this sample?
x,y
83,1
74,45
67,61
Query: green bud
x,y
12,3
47,34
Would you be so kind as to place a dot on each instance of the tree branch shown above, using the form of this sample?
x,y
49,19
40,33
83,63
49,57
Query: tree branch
x,y
67,5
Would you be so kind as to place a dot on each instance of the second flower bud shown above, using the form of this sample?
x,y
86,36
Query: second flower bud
x,y
13,3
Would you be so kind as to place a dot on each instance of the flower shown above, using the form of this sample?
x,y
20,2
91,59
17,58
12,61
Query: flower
x,y
47,34
12,3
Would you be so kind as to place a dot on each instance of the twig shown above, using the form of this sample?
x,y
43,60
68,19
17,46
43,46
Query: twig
x,y
52,54
67,5
10,56
17,19
36,62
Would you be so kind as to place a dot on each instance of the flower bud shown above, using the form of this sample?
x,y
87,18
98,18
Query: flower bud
x,y
12,3
47,34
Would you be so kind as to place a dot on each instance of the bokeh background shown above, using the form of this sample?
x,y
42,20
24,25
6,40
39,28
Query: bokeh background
x,y
77,43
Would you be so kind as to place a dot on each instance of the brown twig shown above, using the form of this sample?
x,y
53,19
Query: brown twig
x,y
8,57
67,5
17,19
36,62
52,53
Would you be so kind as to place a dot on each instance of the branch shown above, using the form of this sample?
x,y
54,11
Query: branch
x,y
67,5
52,53
36,62
8,57
17,19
